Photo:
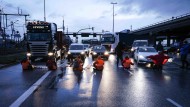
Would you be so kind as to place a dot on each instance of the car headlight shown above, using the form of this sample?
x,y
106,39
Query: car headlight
x,y
50,53
141,57
82,53
106,53
28,54
94,53
68,52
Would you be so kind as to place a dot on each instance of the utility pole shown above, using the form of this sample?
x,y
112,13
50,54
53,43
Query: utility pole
x,y
0,19
113,14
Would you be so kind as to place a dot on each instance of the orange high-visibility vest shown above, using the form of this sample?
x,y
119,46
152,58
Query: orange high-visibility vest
x,y
127,63
100,64
25,65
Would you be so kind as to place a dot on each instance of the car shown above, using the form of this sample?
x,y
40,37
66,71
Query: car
x,y
87,49
141,53
75,50
99,50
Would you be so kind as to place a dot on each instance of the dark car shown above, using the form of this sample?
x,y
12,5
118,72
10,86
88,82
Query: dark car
x,y
99,50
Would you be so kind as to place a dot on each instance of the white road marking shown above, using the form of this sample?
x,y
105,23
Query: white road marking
x,y
26,94
173,102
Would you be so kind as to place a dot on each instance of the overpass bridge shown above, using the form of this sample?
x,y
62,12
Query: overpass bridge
x,y
175,28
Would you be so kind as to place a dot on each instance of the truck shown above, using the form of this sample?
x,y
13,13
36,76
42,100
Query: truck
x,y
109,41
43,41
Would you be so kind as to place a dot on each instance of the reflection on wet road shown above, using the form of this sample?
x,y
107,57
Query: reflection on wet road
x,y
113,87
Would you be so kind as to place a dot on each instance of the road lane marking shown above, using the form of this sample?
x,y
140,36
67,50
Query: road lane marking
x,y
173,102
27,93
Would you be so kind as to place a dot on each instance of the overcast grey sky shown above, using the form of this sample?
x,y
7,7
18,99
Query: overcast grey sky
x,y
80,14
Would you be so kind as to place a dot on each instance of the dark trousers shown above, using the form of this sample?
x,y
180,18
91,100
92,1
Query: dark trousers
x,y
184,61
119,57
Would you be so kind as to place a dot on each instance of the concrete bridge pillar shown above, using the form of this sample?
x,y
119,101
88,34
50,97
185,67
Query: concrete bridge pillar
x,y
168,40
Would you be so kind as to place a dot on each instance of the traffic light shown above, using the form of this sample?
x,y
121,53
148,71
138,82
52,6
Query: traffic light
x,y
74,34
94,34
85,34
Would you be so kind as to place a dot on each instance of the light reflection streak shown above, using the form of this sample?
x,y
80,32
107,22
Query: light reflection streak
x,y
69,85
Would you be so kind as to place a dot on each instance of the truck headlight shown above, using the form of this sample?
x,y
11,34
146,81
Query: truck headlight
x,y
106,53
28,54
50,54
69,53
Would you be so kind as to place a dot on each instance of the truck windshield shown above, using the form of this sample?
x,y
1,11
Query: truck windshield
x,y
135,44
39,36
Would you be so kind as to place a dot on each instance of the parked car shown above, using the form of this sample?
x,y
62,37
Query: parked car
x,y
99,50
76,50
141,53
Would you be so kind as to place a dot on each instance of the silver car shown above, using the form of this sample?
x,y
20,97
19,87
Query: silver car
x,y
141,53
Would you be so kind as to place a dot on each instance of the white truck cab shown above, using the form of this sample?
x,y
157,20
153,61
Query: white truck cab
x,y
137,43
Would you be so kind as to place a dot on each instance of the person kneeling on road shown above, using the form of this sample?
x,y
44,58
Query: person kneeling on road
x,y
51,64
26,65
126,63
159,60
99,64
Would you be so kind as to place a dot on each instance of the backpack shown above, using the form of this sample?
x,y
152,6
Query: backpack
x,y
75,64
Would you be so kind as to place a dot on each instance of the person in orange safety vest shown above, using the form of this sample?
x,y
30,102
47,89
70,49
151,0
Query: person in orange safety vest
x,y
26,65
126,63
51,64
99,64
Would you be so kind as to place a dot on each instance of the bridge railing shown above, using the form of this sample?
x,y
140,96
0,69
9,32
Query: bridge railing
x,y
163,22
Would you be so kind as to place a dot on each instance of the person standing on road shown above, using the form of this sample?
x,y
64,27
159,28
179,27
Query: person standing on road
x,y
119,52
184,50
159,47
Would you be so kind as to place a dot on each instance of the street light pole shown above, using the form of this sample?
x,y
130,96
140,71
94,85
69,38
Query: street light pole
x,y
81,30
44,11
113,14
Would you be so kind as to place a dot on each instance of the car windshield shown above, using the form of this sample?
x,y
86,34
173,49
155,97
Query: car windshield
x,y
147,50
99,48
86,46
76,47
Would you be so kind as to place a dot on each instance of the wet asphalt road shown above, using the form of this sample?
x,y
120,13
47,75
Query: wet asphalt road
x,y
114,87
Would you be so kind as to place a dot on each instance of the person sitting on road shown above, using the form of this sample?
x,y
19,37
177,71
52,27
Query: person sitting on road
x,y
99,64
51,64
126,63
78,67
78,64
26,65
159,60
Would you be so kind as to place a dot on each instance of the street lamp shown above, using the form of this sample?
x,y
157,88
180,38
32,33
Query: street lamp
x,y
44,11
81,30
113,14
